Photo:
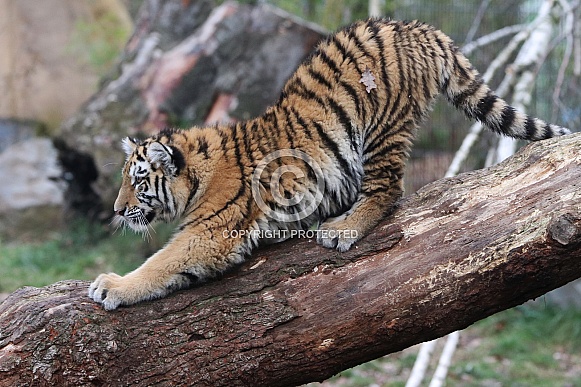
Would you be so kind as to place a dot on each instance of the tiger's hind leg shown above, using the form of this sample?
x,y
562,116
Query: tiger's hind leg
x,y
381,187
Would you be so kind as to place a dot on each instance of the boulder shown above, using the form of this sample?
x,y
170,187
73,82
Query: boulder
x,y
27,171
31,197
48,57
13,130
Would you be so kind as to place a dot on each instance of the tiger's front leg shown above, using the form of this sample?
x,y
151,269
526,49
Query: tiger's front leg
x,y
376,200
191,257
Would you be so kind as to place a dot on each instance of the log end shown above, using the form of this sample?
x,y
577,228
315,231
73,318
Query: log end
x,y
565,229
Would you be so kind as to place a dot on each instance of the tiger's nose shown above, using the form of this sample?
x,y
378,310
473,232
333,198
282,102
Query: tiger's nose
x,y
119,212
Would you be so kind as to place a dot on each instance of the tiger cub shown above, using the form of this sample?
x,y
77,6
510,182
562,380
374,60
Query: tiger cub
x,y
331,152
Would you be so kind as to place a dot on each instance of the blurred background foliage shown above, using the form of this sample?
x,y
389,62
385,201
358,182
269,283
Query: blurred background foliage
x,y
99,41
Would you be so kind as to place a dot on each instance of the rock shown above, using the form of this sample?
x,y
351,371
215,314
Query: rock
x,y
26,172
16,130
45,72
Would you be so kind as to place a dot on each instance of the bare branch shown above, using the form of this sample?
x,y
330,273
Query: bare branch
x,y
492,38
421,364
577,44
477,20
445,360
568,32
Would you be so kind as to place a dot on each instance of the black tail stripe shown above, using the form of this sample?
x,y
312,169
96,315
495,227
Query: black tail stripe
x,y
547,131
485,106
530,127
460,99
464,75
507,120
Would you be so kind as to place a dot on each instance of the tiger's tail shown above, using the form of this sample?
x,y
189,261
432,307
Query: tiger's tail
x,y
465,89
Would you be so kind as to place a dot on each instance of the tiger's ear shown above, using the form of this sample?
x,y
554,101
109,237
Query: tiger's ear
x,y
129,145
162,156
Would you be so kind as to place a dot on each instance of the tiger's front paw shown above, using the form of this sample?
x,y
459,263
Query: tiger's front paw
x,y
113,290
336,234
106,290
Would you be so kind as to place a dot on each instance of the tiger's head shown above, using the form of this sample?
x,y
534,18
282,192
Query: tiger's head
x,y
151,171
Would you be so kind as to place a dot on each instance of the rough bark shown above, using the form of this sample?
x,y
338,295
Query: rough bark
x,y
183,62
459,250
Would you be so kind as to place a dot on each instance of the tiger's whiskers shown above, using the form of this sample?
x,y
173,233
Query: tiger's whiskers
x,y
145,228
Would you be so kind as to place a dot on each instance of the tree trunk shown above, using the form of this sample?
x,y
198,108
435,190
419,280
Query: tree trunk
x,y
457,251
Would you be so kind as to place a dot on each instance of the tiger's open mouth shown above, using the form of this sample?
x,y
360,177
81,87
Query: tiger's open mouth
x,y
137,219
150,216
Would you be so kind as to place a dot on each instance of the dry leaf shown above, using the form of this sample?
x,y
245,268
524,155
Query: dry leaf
x,y
368,80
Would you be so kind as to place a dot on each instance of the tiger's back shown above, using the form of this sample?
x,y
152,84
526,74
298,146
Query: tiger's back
x,y
331,152
356,103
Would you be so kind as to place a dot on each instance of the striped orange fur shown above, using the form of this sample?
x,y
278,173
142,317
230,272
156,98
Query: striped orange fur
x,y
330,153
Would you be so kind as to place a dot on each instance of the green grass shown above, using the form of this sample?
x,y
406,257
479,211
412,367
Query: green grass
x,y
523,346
80,252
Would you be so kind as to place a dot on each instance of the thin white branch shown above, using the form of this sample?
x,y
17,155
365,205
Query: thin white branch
x,y
492,37
577,45
477,20
421,364
445,360
569,31
462,153
376,8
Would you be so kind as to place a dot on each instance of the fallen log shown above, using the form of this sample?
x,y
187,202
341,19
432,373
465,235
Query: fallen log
x,y
455,252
